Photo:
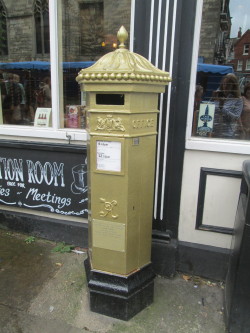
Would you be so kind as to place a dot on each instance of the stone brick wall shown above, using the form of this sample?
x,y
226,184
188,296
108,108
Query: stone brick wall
x,y
20,39
75,29
116,16
210,28
20,27
71,27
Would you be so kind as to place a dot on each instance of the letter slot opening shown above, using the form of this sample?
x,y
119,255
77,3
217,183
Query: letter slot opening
x,y
110,99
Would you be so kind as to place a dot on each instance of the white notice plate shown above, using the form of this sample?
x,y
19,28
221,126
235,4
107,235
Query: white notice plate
x,y
108,155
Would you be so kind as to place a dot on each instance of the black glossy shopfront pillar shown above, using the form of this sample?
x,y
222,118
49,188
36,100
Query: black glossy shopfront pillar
x,y
237,289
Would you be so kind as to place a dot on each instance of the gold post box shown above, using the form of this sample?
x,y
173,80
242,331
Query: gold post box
x,y
122,99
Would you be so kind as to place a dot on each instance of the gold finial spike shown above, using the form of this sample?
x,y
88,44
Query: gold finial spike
x,y
122,36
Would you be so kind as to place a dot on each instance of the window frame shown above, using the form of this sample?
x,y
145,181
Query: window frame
x,y
247,68
246,46
41,32
240,65
199,143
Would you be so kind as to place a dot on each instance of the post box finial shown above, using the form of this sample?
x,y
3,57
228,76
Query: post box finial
x,y
123,66
122,36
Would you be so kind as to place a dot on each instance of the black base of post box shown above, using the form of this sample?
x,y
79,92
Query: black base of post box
x,y
118,296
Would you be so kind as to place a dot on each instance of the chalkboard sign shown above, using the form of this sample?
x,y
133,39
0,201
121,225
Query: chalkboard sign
x,y
45,178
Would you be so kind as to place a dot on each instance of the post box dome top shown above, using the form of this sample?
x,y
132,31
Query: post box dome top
x,y
123,66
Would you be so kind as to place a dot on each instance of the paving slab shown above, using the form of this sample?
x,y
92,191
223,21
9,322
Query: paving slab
x,y
45,292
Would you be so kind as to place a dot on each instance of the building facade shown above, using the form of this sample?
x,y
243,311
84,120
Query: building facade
x,y
215,31
241,55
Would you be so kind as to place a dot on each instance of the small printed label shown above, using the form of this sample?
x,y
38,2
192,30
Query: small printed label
x,y
108,156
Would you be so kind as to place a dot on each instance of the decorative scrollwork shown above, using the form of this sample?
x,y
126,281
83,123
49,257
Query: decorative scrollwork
x,y
109,124
108,208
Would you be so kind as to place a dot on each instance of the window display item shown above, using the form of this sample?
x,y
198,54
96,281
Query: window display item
x,y
43,117
75,116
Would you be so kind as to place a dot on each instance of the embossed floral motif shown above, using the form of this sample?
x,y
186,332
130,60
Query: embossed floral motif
x,y
108,208
109,124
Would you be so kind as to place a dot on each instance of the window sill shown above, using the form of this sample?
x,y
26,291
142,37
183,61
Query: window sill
x,y
219,145
44,133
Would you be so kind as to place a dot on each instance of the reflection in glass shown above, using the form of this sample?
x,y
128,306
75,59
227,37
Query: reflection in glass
x,y
3,31
89,31
228,108
41,13
24,65
245,117
221,106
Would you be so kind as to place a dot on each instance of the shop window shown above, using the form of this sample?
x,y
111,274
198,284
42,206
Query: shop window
x,y
41,13
39,93
3,32
221,104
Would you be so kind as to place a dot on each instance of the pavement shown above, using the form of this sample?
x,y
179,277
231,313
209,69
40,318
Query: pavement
x,y
43,291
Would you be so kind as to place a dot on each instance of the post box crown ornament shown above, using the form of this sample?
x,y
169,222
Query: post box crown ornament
x,y
122,65
122,108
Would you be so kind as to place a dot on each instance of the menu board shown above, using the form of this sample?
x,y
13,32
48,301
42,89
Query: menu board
x,y
48,180
108,156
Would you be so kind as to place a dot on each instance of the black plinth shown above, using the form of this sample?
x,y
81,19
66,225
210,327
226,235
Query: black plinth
x,y
120,296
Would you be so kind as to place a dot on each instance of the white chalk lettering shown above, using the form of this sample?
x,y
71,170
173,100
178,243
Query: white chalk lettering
x,y
31,167
37,173
48,198
48,173
59,172
11,169
3,168
5,192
